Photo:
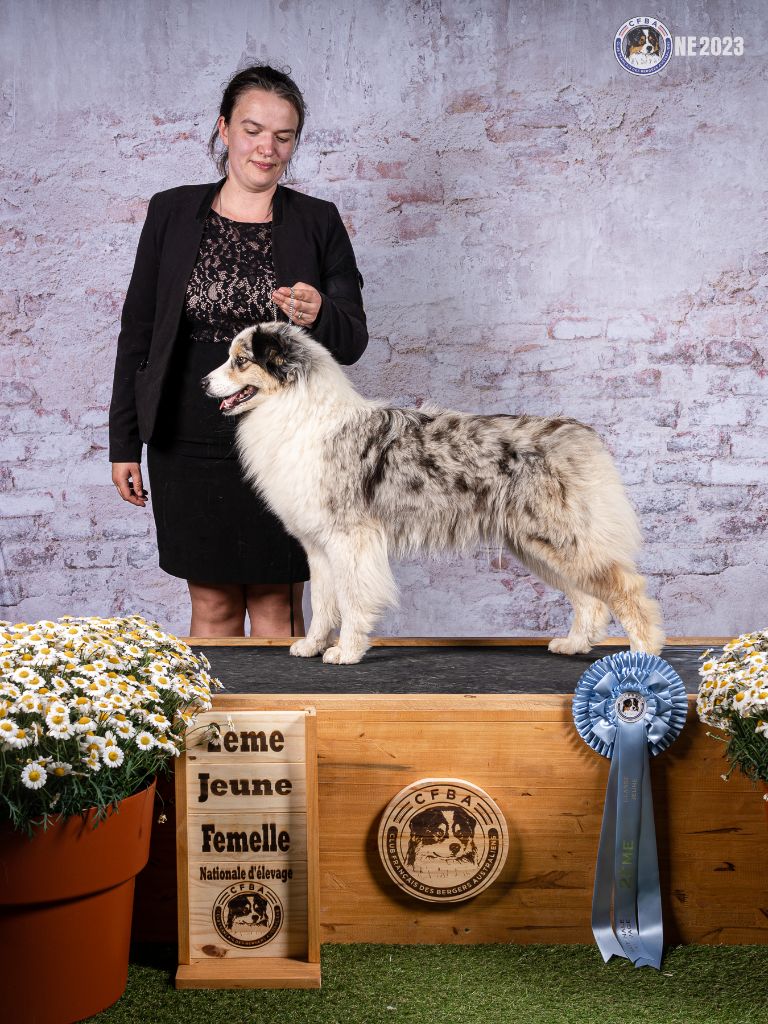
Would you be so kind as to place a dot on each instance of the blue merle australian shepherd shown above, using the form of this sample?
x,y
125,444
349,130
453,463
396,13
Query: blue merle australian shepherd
x,y
356,481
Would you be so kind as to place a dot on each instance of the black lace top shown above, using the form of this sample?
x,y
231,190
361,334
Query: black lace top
x,y
229,289
232,282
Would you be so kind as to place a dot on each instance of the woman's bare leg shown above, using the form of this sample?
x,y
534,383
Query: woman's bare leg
x,y
269,609
218,609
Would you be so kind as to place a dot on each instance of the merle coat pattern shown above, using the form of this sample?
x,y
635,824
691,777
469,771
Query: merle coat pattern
x,y
356,481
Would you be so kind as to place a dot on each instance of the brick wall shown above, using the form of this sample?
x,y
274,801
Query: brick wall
x,y
539,231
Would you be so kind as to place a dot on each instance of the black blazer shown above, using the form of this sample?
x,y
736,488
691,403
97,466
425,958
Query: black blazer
x,y
309,243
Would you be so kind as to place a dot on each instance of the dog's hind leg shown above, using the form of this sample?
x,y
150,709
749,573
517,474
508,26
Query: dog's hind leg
x,y
590,615
590,623
617,588
364,587
325,611
623,590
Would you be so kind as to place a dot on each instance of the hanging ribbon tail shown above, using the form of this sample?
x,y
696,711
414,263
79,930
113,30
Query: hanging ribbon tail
x,y
602,895
628,707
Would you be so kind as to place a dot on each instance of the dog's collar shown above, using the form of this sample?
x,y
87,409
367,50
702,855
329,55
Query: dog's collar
x,y
214,189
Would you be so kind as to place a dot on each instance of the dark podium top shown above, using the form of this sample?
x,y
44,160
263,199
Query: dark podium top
x,y
422,669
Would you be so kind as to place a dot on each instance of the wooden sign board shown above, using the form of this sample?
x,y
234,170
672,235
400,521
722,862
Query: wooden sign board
x,y
247,851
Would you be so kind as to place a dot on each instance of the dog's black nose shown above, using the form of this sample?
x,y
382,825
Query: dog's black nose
x,y
204,383
454,848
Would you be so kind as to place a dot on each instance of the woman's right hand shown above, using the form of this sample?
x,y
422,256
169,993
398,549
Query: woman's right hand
x,y
126,476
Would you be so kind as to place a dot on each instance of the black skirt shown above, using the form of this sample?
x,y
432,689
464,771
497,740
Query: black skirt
x,y
211,525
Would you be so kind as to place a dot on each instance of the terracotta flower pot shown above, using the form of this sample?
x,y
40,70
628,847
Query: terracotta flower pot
x,y
66,898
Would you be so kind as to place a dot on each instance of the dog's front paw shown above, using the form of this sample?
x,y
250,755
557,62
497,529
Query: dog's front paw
x,y
342,656
569,645
306,648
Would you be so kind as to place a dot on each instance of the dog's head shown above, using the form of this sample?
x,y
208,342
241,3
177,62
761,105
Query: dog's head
x,y
263,360
642,41
248,910
442,833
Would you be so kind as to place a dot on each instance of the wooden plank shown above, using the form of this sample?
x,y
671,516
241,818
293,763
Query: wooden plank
x,y
468,706
274,972
313,840
182,875
243,736
445,641
222,836
245,787
229,918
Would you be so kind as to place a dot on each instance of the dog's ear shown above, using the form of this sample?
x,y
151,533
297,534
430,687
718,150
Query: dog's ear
x,y
286,357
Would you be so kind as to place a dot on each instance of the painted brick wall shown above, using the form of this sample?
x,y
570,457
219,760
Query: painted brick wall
x,y
539,231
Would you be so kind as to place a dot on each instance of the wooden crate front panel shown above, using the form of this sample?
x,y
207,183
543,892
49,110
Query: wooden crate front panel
x,y
525,753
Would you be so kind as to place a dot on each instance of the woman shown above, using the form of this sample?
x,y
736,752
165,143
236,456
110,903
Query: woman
x,y
213,259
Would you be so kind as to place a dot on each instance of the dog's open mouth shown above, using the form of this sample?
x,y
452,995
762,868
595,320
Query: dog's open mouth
x,y
238,398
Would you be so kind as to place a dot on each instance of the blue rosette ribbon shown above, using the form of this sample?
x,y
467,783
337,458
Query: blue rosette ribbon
x,y
628,707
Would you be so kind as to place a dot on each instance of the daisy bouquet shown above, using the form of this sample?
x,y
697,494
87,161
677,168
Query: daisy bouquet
x,y
733,697
91,709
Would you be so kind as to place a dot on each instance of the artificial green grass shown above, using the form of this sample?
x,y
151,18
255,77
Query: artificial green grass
x,y
369,984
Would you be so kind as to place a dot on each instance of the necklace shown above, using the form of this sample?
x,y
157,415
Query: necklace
x,y
264,220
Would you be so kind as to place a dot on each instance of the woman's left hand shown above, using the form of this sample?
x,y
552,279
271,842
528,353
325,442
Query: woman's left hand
x,y
301,304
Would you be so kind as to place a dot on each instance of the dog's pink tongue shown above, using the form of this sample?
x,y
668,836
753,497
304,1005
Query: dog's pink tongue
x,y
227,403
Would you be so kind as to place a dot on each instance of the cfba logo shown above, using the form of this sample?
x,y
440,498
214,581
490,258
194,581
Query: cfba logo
x,y
248,914
643,46
443,840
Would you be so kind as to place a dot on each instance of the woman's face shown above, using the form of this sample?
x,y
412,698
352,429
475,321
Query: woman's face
x,y
260,137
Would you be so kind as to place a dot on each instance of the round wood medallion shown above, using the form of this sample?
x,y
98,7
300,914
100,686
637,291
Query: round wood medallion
x,y
443,840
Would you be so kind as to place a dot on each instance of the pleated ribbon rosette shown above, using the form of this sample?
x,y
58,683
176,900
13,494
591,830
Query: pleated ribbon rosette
x,y
629,707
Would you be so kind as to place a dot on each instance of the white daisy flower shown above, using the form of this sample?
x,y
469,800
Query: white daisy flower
x,y
34,775
84,724
166,744
8,728
112,756
45,657
132,651
30,702
21,739
95,687
59,685
65,731
27,677
144,740
60,768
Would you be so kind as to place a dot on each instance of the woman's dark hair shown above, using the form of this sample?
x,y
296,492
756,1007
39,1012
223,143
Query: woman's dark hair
x,y
258,76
